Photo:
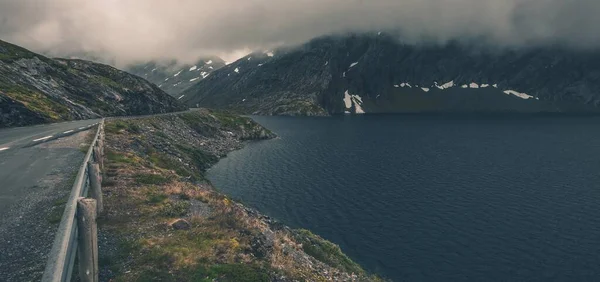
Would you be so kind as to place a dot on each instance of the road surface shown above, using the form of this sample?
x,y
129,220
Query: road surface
x,y
13,138
37,169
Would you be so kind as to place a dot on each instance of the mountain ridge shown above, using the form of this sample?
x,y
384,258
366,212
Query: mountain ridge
x,y
173,77
382,75
36,89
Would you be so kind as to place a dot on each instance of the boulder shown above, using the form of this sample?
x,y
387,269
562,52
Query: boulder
x,y
180,224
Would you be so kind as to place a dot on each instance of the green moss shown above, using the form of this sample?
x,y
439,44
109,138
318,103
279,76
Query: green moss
x,y
151,179
57,210
55,214
118,158
163,161
232,273
156,198
326,252
106,81
116,127
201,159
230,120
37,102
175,209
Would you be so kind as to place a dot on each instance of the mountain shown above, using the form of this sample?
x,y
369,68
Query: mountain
x,y
174,78
36,89
375,73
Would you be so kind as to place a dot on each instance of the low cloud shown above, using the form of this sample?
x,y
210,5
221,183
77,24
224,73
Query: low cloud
x,y
126,31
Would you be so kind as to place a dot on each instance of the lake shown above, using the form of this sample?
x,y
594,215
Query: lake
x,y
432,198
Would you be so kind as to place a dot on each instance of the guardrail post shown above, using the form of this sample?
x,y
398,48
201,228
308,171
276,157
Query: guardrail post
x,y
98,156
96,185
87,250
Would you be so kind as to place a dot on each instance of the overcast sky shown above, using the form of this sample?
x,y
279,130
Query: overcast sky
x,y
140,30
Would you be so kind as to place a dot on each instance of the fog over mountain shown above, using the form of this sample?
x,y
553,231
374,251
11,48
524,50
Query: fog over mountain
x,y
126,31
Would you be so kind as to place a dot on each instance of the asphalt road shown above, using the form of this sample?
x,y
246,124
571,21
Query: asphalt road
x,y
37,168
23,165
18,137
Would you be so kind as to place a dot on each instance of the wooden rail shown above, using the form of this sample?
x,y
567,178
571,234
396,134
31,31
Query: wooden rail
x,y
77,232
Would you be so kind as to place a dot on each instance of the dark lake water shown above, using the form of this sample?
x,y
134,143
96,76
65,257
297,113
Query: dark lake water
x,y
434,198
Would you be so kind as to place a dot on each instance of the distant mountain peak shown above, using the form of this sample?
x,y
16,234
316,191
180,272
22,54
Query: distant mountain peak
x,y
382,75
173,77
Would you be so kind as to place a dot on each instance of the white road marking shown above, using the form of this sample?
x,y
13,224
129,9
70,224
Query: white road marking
x,y
5,148
68,131
43,138
81,127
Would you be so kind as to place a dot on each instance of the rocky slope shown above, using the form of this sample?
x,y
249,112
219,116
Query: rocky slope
x,y
374,73
174,78
35,89
163,220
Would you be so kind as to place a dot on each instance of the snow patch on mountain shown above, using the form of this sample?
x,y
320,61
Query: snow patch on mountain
x,y
347,100
358,104
355,100
519,94
447,84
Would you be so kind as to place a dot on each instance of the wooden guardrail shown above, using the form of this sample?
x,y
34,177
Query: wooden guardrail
x,y
77,232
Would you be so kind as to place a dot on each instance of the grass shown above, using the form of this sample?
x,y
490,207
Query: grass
x,y
165,162
175,208
106,81
57,210
201,159
154,179
230,120
326,252
157,198
232,273
119,126
120,158
223,242
38,102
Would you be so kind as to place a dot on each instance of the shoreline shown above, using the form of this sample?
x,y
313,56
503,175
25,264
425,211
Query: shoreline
x,y
165,221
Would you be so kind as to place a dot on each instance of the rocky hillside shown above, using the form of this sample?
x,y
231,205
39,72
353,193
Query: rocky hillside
x,y
164,221
35,89
374,73
174,78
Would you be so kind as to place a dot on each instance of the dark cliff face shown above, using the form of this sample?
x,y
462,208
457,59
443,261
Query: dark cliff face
x,y
174,78
374,73
35,89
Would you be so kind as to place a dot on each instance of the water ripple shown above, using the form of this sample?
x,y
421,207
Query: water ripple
x,y
434,198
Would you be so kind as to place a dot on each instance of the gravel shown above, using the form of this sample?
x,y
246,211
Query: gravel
x,y
27,230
